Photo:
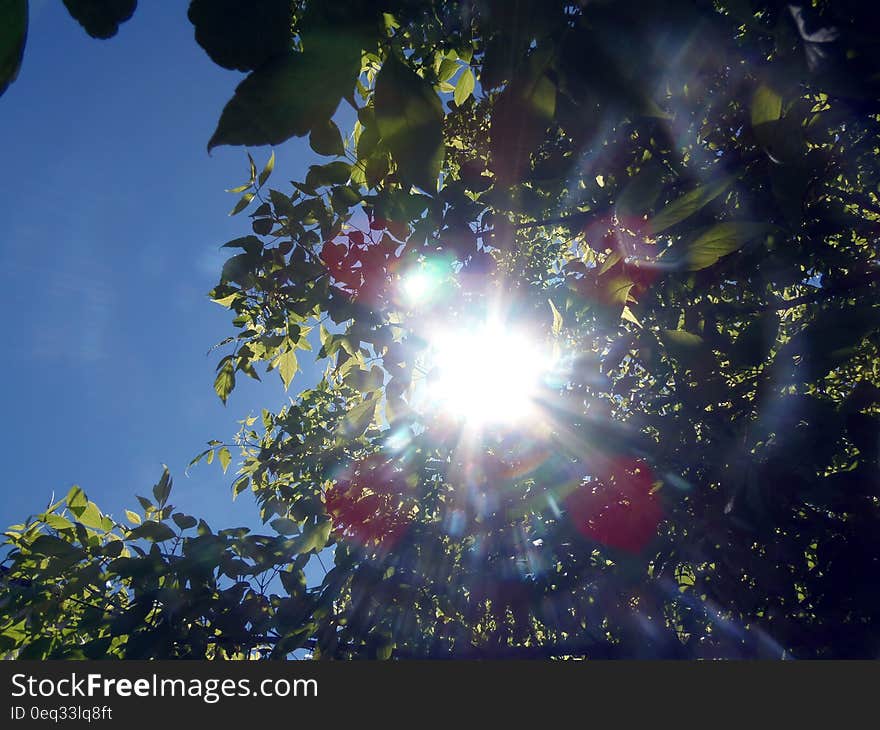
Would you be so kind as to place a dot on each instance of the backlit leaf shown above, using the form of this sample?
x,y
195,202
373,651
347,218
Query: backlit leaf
x,y
225,381
688,204
409,116
719,241
464,87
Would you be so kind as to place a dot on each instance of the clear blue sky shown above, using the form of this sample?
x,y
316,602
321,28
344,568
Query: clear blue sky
x,y
112,217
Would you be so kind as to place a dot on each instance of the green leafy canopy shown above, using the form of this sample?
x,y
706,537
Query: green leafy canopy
x,y
679,199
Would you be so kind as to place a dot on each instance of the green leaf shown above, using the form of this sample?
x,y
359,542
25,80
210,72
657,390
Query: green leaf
x,y
326,139
719,241
225,381
617,289
240,188
54,547
333,173
240,485
376,170
409,116
133,517
682,345
689,204
242,35
314,537
152,531
227,301
77,500
242,203
225,458
464,87
447,69
184,522
357,419
162,489
681,338
13,37
520,117
101,19
250,244
766,106
285,526
238,269
294,581
91,517
287,365
57,522
267,170
288,96
640,193
343,198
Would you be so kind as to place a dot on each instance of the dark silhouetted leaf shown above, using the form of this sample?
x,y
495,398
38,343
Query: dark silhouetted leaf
x,y
184,522
239,34
285,526
101,18
152,531
410,121
640,193
326,139
719,241
688,204
13,37
162,489
290,95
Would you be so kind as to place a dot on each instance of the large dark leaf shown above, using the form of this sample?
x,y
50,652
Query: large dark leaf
x,y
152,531
832,337
755,340
719,241
689,203
522,113
640,193
410,120
101,18
13,35
242,34
290,95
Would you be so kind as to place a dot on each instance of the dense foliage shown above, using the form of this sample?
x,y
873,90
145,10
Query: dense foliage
x,y
679,198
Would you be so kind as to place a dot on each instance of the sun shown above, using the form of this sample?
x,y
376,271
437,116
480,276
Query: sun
x,y
490,373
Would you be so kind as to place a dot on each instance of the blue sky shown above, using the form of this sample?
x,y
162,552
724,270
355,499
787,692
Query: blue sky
x,y
113,215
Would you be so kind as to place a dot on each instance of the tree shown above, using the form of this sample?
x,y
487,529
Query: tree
x,y
679,199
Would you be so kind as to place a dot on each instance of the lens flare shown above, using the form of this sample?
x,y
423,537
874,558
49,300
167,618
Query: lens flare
x,y
488,374
423,284
417,286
